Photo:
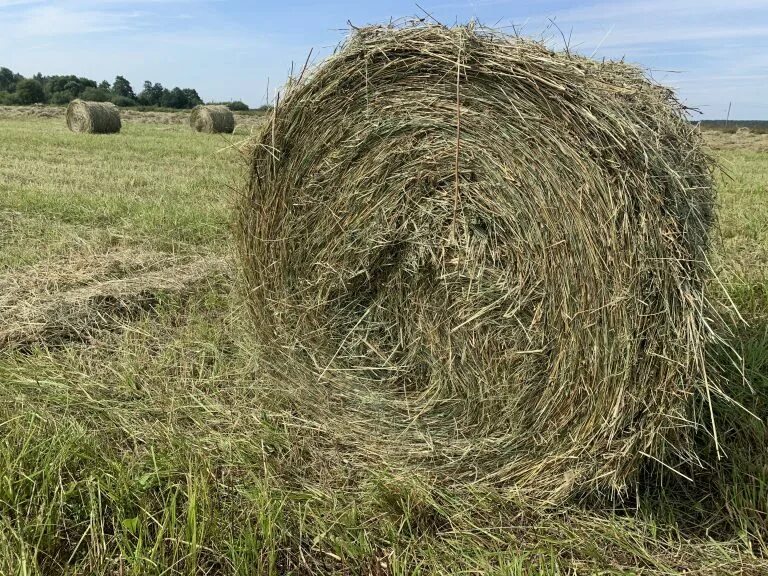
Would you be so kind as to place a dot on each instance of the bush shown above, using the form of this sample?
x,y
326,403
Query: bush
x,y
123,101
175,98
94,95
7,98
8,80
193,98
29,92
63,97
238,106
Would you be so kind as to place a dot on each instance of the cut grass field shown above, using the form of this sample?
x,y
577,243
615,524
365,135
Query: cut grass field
x,y
135,437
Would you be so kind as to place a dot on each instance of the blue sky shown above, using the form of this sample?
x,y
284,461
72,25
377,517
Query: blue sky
x,y
712,52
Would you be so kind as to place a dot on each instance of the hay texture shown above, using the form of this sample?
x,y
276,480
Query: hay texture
x,y
212,119
93,117
55,304
472,256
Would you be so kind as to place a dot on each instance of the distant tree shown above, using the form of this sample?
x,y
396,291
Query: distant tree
x,y
57,83
193,98
74,87
60,98
174,99
121,87
238,106
7,98
95,94
29,91
152,94
7,80
64,89
123,101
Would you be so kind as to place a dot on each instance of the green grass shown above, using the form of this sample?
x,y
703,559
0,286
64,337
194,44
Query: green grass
x,y
152,450
158,184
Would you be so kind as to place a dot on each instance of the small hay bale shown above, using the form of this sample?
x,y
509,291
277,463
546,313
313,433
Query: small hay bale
x,y
472,256
212,119
93,117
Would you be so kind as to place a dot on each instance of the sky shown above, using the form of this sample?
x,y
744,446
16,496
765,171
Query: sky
x,y
714,53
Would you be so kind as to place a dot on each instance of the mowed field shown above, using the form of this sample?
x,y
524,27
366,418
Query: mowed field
x,y
134,438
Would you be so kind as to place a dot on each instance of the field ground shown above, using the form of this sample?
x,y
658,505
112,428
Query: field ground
x,y
134,438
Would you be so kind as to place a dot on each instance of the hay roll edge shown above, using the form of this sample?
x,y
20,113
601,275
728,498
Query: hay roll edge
x,y
212,119
93,117
483,259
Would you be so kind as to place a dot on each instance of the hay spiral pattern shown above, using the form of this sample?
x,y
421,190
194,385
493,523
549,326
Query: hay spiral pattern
x,y
472,256
93,117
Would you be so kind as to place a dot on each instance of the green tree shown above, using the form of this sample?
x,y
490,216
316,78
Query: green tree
x,y
105,86
29,91
152,94
174,99
193,98
7,98
62,89
94,94
123,101
237,106
74,87
7,80
60,98
121,87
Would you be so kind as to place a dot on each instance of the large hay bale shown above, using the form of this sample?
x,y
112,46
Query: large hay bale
x,y
469,255
93,117
212,119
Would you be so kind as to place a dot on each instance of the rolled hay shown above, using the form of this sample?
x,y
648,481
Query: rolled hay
x,y
212,119
473,257
93,117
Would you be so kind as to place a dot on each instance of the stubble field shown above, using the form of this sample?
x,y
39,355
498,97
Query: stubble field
x,y
134,437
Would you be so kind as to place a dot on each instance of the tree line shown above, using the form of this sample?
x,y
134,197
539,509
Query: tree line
x,y
39,89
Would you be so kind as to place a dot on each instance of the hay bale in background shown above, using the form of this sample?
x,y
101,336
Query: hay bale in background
x,y
469,255
212,119
93,117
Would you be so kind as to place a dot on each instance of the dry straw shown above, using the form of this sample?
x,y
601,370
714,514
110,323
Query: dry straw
x,y
93,117
212,119
472,256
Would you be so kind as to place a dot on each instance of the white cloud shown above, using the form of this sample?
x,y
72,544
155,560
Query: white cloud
x,y
720,49
659,10
13,3
59,21
629,35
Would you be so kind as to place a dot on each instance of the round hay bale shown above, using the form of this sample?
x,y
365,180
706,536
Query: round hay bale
x,y
469,255
212,119
93,117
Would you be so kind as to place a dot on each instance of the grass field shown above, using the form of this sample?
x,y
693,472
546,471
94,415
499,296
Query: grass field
x,y
134,438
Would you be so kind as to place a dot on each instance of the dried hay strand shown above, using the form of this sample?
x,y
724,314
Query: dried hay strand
x,y
50,305
212,119
93,117
471,256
